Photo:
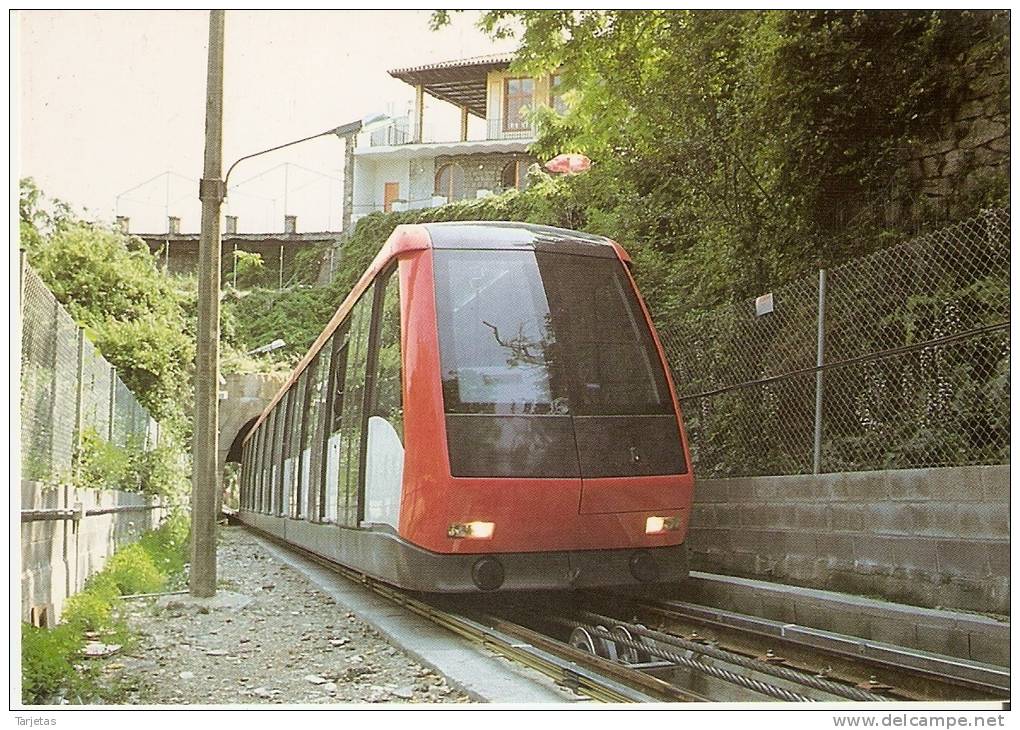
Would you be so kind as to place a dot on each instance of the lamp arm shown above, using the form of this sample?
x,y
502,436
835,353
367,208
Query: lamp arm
x,y
226,179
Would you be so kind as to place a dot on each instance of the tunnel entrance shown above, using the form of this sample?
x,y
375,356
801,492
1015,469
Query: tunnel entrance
x,y
234,454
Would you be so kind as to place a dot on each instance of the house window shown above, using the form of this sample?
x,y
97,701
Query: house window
x,y
556,100
515,175
450,181
517,96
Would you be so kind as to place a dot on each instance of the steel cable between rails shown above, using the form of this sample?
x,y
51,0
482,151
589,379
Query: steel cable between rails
x,y
725,675
792,675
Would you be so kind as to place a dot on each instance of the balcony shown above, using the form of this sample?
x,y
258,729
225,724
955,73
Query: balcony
x,y
400,133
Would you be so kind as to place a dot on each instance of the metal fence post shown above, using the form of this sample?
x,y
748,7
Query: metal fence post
x,y
819,375
79,407
71,527
53,388
113,402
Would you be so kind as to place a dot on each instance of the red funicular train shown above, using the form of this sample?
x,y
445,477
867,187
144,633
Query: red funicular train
x,y
489,408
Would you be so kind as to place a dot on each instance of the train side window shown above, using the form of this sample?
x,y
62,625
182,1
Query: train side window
x,y
274,459
285,472
269,467
289,454
316,409
250,471
330,442
317,425
245,471
351,422
382,459
297,416
263,460
387,401
305,383
240,478
256,469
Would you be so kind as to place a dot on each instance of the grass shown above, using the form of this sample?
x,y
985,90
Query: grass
x,y
52,667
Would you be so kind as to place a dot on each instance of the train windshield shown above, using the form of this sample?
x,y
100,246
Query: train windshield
x,y
539,333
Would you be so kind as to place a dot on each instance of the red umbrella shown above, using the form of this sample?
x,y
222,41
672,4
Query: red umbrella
x,y
570,163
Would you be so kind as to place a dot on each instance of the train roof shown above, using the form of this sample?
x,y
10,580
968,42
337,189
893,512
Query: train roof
x,y
511,235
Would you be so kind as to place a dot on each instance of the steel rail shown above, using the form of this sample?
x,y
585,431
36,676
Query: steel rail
x,y
780,672
950,670
568,672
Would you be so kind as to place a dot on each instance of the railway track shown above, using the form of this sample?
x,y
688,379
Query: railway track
x,y
588,647
585,674
794,662
914,672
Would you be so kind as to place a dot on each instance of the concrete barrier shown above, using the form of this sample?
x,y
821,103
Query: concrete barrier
x,y
928,537
58,555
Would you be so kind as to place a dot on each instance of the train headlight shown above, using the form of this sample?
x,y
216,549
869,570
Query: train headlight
x,y
655,525
476,530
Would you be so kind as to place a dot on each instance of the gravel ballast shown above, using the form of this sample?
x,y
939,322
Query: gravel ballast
x,y
269,636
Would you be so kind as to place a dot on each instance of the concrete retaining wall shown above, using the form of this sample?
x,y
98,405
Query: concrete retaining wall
x,y
57,556
928,537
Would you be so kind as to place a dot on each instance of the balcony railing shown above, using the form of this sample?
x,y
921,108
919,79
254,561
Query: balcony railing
x,y
495,129
395,134
498,128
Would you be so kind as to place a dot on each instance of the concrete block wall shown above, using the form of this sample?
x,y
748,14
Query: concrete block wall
x,y
928,537
57,556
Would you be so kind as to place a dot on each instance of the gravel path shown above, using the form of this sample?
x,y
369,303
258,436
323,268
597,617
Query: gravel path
x,y
268,637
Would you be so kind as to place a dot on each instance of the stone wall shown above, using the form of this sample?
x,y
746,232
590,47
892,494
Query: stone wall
x,y
929,537
483,171
57,556
967,160
247,395
421,182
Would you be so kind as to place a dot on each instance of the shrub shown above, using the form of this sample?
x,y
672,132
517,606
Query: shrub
x,y
46,661
90,611
250,269
47,655
134,571
100,463
168,546
162,473
102,584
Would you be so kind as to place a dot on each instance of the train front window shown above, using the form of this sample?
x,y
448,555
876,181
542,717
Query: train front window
x,y
538,333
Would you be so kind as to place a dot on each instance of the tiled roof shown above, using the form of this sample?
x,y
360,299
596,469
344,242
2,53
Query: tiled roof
x,y
490,60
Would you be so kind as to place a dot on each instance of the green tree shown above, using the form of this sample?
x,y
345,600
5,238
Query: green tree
x,y
734,149
111,286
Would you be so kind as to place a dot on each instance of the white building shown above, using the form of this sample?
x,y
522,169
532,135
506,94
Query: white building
x,y
408,165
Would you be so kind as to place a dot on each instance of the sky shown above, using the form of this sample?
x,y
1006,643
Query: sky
x,y
112,105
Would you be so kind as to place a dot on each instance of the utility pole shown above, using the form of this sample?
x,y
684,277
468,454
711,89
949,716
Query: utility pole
x,y
211,191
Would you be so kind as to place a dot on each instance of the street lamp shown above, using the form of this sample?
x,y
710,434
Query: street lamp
x,y
367,123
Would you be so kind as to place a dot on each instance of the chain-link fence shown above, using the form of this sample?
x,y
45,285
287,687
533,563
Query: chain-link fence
x,y
67,387
899,359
